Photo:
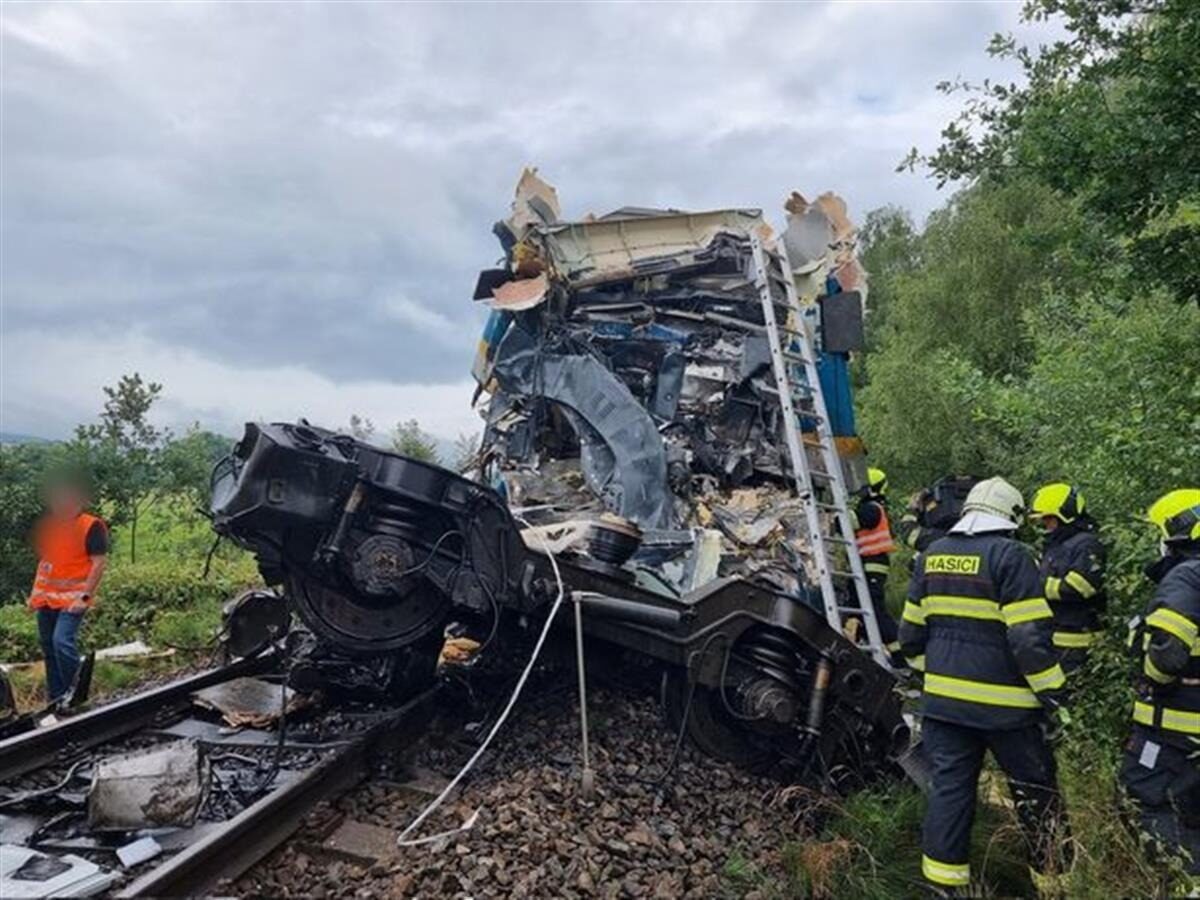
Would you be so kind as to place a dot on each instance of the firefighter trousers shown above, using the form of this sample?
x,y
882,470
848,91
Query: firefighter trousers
x,y
888,630
1164,786
955,755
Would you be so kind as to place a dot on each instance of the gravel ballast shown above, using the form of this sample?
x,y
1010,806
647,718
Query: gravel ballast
x,y
711,831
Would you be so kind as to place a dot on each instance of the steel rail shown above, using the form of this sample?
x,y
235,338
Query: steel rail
x,y
70,737
262,826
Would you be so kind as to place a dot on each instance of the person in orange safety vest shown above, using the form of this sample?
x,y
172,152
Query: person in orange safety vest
x,y
873,535
72,548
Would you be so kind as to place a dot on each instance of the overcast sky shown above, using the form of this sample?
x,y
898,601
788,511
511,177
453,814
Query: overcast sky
x,y
279,209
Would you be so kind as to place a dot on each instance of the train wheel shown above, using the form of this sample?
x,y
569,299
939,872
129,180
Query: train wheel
x,y
711,727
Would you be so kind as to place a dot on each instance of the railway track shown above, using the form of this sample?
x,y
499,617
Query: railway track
x,y
320,755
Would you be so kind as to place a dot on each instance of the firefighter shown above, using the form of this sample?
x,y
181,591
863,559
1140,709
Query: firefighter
x,y
873,535
1161,769
977,623
1072,569
932,511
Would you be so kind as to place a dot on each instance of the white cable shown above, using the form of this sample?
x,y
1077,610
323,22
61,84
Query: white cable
x,y
402,841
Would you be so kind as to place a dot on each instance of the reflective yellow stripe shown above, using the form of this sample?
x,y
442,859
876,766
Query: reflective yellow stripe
x,y
917,663
61,582
59,595
877,568
1172,719
1082,586
1155,672
1026,611
1174,623
913,613
1076,639
981,691
948,874
963,607
1053,588
1047,679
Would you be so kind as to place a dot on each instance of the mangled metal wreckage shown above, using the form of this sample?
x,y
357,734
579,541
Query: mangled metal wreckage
x,y
632,449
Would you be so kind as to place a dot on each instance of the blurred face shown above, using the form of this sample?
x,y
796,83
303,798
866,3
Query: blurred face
x,y
1049,523
65,501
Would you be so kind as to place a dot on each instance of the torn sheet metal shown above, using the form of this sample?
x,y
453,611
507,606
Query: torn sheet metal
x,y
148,789
638,382
523,293
248,702
534,203
821,242
605,250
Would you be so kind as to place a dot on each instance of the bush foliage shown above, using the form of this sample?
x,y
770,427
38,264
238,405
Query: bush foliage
x,y
162,601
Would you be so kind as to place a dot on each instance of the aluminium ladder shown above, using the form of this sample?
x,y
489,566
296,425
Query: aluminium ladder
x,y
822,489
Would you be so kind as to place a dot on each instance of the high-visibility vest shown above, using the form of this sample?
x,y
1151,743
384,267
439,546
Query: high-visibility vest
x,y
878,540
63,561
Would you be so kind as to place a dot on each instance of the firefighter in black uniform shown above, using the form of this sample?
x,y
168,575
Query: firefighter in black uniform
x,y
978,624
1161,768
933,511
873,535
1072,569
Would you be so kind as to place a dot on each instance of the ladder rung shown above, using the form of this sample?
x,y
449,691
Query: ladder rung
x,y
835,539
840,574
856,610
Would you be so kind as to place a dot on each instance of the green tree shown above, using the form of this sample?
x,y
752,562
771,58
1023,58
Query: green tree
x,y
889,249
23,471
124,451
409,439
1107,116
187,463
466,451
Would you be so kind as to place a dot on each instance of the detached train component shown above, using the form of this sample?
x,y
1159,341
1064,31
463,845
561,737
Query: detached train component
x,y
378,554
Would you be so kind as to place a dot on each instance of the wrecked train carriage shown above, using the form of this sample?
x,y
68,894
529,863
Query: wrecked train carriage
x,y
633,432
628,372
378,554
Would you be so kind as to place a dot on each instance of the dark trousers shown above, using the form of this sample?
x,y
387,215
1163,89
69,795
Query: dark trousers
x,y
955,754
1164,786
58,631
1072,659
877,587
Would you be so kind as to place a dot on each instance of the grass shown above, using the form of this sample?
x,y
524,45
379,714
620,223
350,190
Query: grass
x,y
868,846
109,677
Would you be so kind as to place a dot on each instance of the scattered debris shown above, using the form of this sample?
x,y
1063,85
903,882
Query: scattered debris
x,y
139,851
162,786
358,841
249,702
26,873
132,650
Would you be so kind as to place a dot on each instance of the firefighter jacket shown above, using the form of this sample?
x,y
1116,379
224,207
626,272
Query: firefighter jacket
x,y
1169,692
873,535
978,624
1072,569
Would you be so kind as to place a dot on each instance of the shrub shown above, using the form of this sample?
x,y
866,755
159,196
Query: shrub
x,y
160,600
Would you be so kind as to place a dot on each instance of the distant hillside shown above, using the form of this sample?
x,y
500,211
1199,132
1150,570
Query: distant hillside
x,y
9,437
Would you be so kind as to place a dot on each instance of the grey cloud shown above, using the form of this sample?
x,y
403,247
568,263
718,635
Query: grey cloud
x,y
262,184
